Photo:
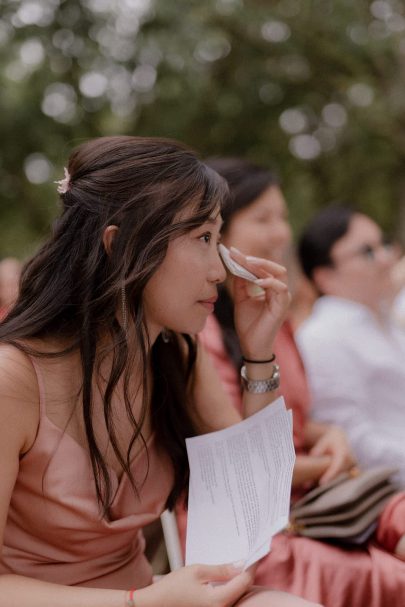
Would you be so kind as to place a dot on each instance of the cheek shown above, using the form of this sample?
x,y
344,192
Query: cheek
x,y
287,234
280,234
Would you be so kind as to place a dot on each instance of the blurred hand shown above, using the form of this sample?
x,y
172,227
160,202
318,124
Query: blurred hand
x,y
335,444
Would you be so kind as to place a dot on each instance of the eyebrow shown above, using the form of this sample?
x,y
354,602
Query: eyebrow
x,y
213,220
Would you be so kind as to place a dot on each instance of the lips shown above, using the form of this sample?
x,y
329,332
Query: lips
x,y
209,304
211,300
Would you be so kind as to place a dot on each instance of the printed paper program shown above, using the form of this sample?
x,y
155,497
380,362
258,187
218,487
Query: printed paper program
x,y
240,486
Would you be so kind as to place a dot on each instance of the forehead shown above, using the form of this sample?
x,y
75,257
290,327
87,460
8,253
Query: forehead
x,y
362,230
273,198
189,213
270,200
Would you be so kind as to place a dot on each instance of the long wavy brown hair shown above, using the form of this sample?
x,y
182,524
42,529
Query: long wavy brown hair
x,y
72,288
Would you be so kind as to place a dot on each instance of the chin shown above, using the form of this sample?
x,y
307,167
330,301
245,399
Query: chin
x,y
190,328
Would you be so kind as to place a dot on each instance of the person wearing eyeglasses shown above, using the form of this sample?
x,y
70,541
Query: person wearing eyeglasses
x,y
353,352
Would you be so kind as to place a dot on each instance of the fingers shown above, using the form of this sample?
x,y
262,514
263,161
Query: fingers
x,y
229,593
265,267
272,279
216,573
259,266
268,283
330,473
338,465
272,283
268,290
318,449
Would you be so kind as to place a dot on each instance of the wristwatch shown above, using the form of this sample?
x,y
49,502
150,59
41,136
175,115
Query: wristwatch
x,y
260,386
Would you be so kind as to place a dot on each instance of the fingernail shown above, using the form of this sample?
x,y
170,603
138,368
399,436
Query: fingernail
x,y
259,281
251,259
235,249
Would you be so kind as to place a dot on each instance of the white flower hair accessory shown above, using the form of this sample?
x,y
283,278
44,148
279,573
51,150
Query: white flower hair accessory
x,y
63,184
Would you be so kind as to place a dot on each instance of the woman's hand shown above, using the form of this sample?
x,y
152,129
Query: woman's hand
x,y
308,469
257,319
196,586
335,444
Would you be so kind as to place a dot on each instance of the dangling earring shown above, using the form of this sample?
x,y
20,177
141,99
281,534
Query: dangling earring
x,y
124,308
165,336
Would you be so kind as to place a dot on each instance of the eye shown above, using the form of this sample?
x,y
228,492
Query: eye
x,y
261,218
206,237
367,251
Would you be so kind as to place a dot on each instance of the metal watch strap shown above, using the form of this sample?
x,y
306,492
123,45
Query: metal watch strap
x,y
260,386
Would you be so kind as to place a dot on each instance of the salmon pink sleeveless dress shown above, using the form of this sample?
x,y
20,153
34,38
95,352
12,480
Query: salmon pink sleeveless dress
x,y
55,532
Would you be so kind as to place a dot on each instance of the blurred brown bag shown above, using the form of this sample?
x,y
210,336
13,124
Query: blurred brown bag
x,y
346,509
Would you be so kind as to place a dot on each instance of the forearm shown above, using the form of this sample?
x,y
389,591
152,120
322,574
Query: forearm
x,y
16,591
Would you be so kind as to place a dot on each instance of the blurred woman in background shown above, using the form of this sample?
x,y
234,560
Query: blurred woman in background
x,y
256,223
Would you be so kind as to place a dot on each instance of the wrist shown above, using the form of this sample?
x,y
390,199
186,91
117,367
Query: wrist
x,y
259,361
140,597
130,598
258,371
149,596
262,383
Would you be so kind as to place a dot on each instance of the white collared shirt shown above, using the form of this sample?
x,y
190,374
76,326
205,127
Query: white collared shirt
x,y
398,309
356,372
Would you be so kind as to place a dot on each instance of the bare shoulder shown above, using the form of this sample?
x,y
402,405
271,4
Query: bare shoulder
x,y
17,375
19,397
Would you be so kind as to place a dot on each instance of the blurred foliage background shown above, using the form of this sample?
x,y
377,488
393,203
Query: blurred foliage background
x,y
314,88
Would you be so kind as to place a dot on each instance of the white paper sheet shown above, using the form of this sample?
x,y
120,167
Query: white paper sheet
x,y
240,485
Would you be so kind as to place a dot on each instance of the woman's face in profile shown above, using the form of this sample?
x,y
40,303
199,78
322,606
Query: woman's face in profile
x,y
182,292
261,229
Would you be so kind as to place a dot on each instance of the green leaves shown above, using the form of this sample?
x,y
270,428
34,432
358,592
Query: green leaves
x,y
312,87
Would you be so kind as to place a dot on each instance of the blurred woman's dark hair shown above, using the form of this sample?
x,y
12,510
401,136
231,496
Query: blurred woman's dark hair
x,y
321,233
72,289
246,181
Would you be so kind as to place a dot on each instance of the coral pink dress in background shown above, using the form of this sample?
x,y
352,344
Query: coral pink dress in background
x,y
317,571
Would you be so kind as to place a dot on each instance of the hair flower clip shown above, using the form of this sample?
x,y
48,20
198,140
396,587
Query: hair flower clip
x,y
63,184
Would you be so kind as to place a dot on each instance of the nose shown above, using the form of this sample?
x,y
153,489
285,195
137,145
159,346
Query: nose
x,y
281,234
385,255
217,272
284,235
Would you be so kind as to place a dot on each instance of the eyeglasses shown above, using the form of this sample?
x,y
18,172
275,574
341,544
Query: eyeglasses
x,y
368,251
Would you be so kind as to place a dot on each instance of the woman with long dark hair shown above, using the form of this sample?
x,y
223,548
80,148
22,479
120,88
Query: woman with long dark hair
x,y
101,380
256,222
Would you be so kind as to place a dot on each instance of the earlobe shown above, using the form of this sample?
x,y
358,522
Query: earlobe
x,y
108,238
322,278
